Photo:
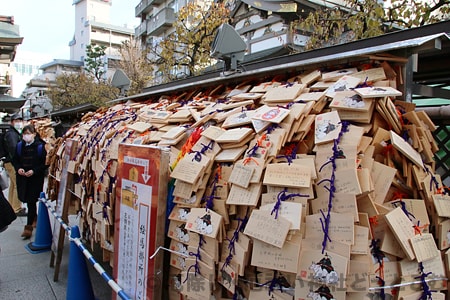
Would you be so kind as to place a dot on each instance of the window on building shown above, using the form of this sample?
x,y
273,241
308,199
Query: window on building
x,y
82,32
82,20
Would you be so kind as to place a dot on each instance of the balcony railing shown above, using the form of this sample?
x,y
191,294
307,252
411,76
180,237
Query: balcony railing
x,y
141,29
156,2
144,6
163,20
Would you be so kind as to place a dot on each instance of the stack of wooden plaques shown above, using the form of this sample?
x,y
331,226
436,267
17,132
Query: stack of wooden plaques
x,y
317,186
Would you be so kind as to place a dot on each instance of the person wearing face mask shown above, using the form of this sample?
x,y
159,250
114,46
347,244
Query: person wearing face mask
x,y
29,163
11,138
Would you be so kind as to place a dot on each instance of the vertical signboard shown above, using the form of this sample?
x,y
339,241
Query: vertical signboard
x,y
62,206
140,219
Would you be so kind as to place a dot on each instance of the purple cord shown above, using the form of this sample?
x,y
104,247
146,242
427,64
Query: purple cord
x,y
282,196
382,283
234,239
426,293
198,154
212,196
325,220
404,209
273,282
433,180
197,258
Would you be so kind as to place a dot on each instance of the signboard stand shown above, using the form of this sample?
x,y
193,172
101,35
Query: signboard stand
x,y
140,215
62,207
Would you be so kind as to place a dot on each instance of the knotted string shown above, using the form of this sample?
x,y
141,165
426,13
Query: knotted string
x,y
446,190
272,127
80,147
195,266
108,143
325,220
275,281
198,154
282,196
231,246
252,151
418,228
398,195
362,85
290,153
404,209
101,121
426,292
248,160
377,254
433,180
381,282
376,251
403,121
258,144
127,136
287,106
405,135
210,199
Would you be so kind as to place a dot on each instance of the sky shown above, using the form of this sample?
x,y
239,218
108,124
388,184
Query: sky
x,y
47,26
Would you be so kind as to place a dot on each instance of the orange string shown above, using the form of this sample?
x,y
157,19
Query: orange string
x,y
248,160
380,270
417,230
187,147
219,171
289,149
398,196
261,140
400,117
373,221
388,149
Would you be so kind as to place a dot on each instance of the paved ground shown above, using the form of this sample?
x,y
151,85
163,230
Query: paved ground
x,y
29,276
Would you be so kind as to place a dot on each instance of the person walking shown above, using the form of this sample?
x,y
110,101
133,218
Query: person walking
x,y
11,138
29,162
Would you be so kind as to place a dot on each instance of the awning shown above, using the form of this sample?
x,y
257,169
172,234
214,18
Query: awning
x,y
74,110
10,104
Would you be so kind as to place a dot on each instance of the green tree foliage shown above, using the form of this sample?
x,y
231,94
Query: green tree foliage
x,y
95,63
188,46
136,65
367,18
75,89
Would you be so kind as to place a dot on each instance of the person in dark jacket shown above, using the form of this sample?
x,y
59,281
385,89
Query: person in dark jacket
x,y
29,162
12,137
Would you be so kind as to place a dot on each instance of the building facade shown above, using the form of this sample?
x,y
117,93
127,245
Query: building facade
x,y
93,26
37,102
10,39
263,25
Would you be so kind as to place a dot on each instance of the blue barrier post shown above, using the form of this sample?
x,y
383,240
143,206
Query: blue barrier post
x,y
43,238
77,242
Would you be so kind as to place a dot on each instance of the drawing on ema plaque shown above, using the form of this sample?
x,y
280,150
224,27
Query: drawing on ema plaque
x,y
130,197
